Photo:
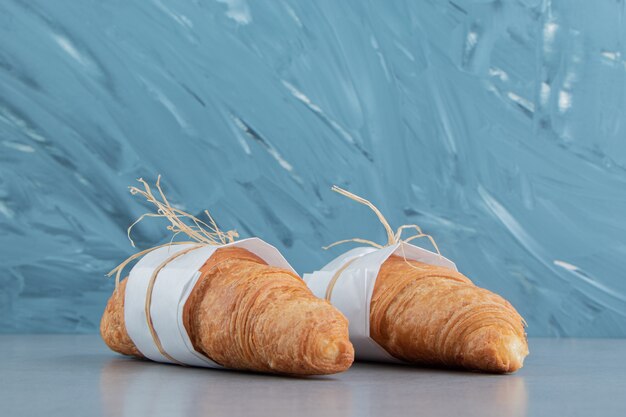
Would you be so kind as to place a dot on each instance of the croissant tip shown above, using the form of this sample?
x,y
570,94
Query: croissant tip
x,y
489,350
516,350
335,356
509,355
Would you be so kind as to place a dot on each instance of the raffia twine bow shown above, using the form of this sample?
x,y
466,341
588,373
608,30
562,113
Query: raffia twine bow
x,y
392,238
200,232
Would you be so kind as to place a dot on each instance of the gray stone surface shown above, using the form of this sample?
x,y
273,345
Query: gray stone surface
x,y
65,376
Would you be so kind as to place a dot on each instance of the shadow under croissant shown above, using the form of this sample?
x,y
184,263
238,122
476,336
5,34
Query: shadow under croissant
x,y
137,388
406,389
440,368
132,388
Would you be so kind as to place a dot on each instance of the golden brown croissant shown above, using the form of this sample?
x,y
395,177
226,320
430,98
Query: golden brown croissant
x,y
244,314
433,315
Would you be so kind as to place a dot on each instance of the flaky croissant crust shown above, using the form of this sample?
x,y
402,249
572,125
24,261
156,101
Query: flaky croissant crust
x,y
433,315
244,314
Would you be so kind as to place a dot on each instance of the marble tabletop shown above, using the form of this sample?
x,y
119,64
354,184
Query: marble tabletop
x,y
76,375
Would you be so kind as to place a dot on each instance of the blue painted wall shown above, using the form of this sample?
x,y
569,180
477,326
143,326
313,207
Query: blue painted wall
x,y
499,126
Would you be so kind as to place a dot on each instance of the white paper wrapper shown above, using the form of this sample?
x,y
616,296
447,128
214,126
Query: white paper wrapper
x,y
171,289
353,289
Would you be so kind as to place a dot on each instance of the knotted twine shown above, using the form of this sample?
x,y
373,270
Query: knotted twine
x,y
392,238
201,234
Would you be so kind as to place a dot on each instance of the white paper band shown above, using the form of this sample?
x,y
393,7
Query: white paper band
x,y
352,291
171,290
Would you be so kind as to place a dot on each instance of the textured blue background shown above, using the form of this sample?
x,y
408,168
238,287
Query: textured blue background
x,y
499,126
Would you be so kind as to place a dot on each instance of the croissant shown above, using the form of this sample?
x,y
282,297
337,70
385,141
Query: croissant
x,y
432,315
244,314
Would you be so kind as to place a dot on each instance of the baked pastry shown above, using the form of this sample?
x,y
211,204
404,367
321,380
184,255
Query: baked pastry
x,y
241,313
432,315
244,314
